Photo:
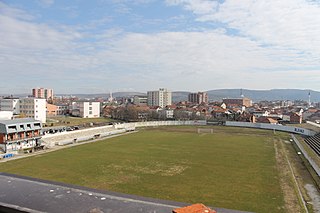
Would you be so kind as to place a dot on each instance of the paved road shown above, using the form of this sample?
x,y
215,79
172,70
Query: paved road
x,y
34,195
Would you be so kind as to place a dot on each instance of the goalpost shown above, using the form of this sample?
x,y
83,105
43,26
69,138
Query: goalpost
x,y
202,130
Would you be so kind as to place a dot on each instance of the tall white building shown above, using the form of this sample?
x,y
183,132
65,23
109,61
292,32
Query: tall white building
x,y
86,109
10,104
29,107
161,98
34,108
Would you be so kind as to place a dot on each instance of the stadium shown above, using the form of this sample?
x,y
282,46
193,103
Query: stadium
x,y
245,169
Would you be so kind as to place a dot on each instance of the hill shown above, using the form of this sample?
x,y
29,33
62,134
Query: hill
x,y
259,95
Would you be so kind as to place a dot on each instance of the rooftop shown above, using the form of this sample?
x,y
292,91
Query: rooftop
x,y
18,121
34,195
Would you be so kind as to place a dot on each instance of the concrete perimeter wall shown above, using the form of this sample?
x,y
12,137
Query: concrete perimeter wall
x,y
305,153
97,132
291,129
161,123
65,138
313,123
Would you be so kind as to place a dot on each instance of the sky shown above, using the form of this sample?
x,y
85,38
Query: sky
x,y
98,46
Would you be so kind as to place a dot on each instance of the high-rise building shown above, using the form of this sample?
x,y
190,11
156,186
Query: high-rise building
x,y
161,98
198,98
43,93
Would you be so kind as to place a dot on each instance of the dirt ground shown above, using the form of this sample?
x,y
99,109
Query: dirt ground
x,y
287,185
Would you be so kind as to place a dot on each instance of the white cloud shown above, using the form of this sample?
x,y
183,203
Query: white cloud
x,y
71,59
199,7
290,24
13,12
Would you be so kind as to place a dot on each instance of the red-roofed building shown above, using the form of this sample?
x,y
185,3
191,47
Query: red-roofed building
x,y
195,208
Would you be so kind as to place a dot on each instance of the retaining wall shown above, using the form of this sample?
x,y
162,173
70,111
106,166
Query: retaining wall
x,y
305,153
65,138
87,134
313,123
291,129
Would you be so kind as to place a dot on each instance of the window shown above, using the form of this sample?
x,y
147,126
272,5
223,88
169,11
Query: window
x,y
90,112
12,127
90,108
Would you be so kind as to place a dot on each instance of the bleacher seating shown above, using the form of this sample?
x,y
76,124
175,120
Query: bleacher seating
x,y
314,143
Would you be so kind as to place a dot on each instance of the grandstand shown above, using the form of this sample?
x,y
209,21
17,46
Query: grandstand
x,y
314,143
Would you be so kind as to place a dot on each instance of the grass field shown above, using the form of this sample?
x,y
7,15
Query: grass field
x,y
72,121
236,171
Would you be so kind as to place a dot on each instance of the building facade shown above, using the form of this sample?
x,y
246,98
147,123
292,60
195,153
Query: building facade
x,y
10,104
52,110
140,100
161,98
43,93
26,107
86,109
238,101
198,98
6,115
19,134
33,108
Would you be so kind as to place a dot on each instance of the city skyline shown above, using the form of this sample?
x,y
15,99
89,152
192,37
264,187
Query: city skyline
x,y
122,45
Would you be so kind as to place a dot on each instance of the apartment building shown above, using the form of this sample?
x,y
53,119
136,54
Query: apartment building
x,y
33,108
19,134
161,98
28,107
198,98
86,109
238,101
43,93
140,100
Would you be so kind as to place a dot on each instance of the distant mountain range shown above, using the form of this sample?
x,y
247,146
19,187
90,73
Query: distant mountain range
x,y
219,94
260,95
255,95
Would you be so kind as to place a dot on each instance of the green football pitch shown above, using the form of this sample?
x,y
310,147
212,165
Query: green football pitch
x,y
229,168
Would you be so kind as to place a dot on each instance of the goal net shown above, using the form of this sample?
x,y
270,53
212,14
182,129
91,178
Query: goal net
x,y
202,130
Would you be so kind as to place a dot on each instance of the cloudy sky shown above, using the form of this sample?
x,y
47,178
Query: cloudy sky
x,y
97,46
